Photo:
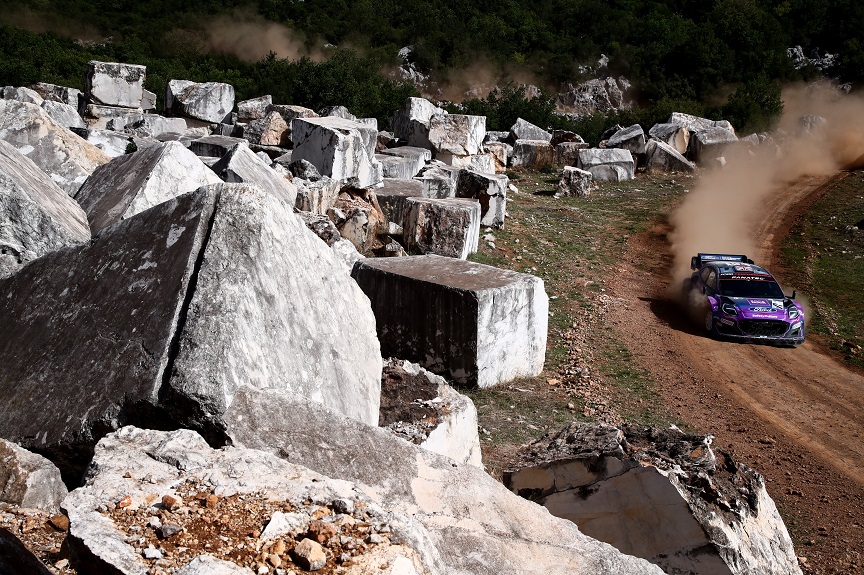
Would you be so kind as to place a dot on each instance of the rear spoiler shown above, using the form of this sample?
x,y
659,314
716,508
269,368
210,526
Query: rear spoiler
x,y
700,260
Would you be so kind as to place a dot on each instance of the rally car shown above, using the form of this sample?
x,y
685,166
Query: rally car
x,y
738,299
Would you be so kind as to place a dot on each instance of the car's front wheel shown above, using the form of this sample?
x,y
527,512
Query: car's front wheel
x,y
709,322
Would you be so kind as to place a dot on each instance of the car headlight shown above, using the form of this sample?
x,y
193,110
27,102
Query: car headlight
x,y
729,309
794,312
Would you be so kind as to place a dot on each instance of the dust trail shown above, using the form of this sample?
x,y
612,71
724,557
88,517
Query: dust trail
x,y
719,213
251,38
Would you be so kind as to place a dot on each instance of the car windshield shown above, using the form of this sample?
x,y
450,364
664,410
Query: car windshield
x,y
751,288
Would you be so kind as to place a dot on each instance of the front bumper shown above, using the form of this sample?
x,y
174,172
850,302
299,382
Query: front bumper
x,y
773,330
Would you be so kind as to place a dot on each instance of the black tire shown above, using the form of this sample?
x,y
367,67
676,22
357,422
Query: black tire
x,y
708,323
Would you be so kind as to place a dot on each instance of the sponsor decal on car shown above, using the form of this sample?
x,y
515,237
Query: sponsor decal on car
x,y
763,316
726,321
758,301
762,309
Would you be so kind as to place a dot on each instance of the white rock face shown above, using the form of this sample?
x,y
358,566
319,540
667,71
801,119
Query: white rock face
x,y
63,114
271,130
411,123
500,153
575,182
418,157
29,480
316,197
22,95
675,135
708,145
115,84
36,216
457,134
476,324
491,190
567,153
482,162
240,165
113,144
65,157
525,130
608,165
398,168
57,93
439,181
154,125
132,183
696,124
661,157
532,154
338,148
631,138
210,102
446,227
254,109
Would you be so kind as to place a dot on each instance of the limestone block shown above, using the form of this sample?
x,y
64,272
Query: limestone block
x,y
316,196
575,182
240,165
482,162
393,195
115,84
696,124
29,480
525,130
567,153
631,138
254,109
707,145
65,157
501,153
113,144
148,101
661,157
439,181
457,134
22,94
420,157
210,102
475,324
607,165
101,117
446,227
369,123
132,183
63,114
562,136
532,154
337,112
491,190
411,123
675,135
290,112
340,149
213,146
271,130
153,125
398,168
56,93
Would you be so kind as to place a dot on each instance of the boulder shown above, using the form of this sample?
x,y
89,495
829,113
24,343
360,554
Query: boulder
x,y
337,112
154,125
213,146
22,95
661,157
392,197
457,134
491,190
359,218
254,109
130,184
675,135
575,182
29,480
271,130
482,162
36,216
241,166
316,196
501,153
419,156
596,95
562,136
291,112
182,305
63,114
662,495
148,101
113,144
115,84
55,93
101,117
631,138
475,324
532,154
567,153
65,157
446,227
396,167
607,165
411,123
439,181
496,136
707,145
696,124
524,130
340,149
209,102
422,408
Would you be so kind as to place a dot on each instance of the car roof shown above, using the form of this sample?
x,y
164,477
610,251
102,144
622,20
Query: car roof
x,y
737,270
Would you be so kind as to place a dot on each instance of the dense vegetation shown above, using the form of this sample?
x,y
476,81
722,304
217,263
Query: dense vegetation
x,y
715,57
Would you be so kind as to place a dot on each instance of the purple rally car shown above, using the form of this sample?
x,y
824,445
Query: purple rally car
x,y
743,300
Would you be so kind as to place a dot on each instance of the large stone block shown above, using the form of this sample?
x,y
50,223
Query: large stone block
x,y
491,190
501,153
254,109
36,216
396,167
439,181
55,93
162,318
608,165
532,154
708,145
340,149
132,183
631,138
662,157
101,117
241,166
213,146
115,84
271,130
696,124
316,196
675,135
419,156
447,227
567,153
29,480
525,130
63,114
411,123
482,162
210,102
457,134
575,182
392,197
154,125
64,156
475,324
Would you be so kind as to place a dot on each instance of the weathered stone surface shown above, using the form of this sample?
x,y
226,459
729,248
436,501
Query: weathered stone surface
x,y
675,135
29,480
419,156
439,181
101,117
337,112
696,124
210,102
241,166
476,324
607,165
325,229
222,256
115,84
482,162
658,494
359,218
213,146
113,144
525,130
597,95
254,109
631,138
491,190
567,153
457,134
63,114
532,154
411,123
36,216
575,182
56,93
153,125
148,101
707,145
16,558
446,227
208,565
396,167
130,184
290,112
22,94
340,149
316,196
562,136
65,157
271,130
501,153
392,197
661,157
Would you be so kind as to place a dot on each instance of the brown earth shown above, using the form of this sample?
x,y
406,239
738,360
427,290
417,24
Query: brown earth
x,y
793,414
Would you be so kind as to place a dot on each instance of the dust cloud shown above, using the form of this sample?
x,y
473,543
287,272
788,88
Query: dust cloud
x,y
719,214
251,38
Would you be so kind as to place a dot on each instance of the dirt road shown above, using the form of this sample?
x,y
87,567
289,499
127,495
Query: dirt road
x,y
796,415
